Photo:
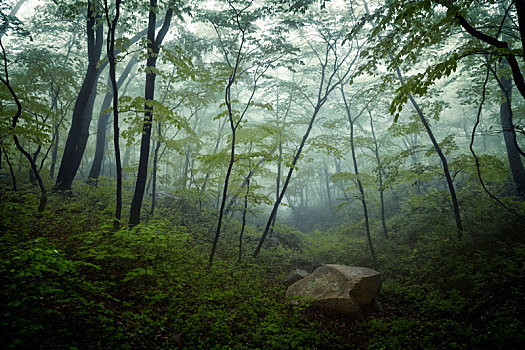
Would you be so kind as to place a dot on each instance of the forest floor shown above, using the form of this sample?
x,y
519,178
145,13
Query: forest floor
x,y
70,282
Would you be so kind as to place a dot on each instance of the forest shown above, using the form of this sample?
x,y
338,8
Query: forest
x,y
166,164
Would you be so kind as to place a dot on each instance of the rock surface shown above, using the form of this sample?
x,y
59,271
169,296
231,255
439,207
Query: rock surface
x,y
294,276
345,289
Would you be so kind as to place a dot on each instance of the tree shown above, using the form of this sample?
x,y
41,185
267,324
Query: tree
x,y
334,67
351,121
110,48
421,26
153,48
405,93
103,119
79,131
16,117
243,25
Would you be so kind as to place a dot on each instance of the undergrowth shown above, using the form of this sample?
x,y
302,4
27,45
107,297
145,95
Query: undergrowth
x,y
69,281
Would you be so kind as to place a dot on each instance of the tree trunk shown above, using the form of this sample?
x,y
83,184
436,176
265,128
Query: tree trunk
x,y
54,155
509,134
110,47
245,209
77,137
356,171
16,117
330,78
11,171
277,184
12,13
103,118
233,126
379,176
155,167
288,178
327,182
149,93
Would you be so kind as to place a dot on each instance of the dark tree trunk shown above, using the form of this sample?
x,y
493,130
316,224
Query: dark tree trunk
x,y
149,93
96,166
155,167
509,134
77,145
450,183
446,171
233,126
77,137
186,168
520,9
11,171
252,172
16,117
288,178
54,155
244,210
32,177
110,47
277,184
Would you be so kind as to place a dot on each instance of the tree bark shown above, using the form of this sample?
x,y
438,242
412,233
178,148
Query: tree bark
x,y
356,171
155,167
327,182
244,211
110,48
149,94
11,171
70,158
509,134
379,176
103,119
5,81
520,10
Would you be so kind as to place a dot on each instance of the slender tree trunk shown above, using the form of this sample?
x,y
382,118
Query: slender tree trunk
x,y
379,176
217,142
442,157
245,209
103,118
83,110
330,78
110,47
509,134
450,183
149,94
277,184
520,10
54,155
233,199
32,177
288,178
186,168
155,166
327,182
356,171
16,117
10,169
233,126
